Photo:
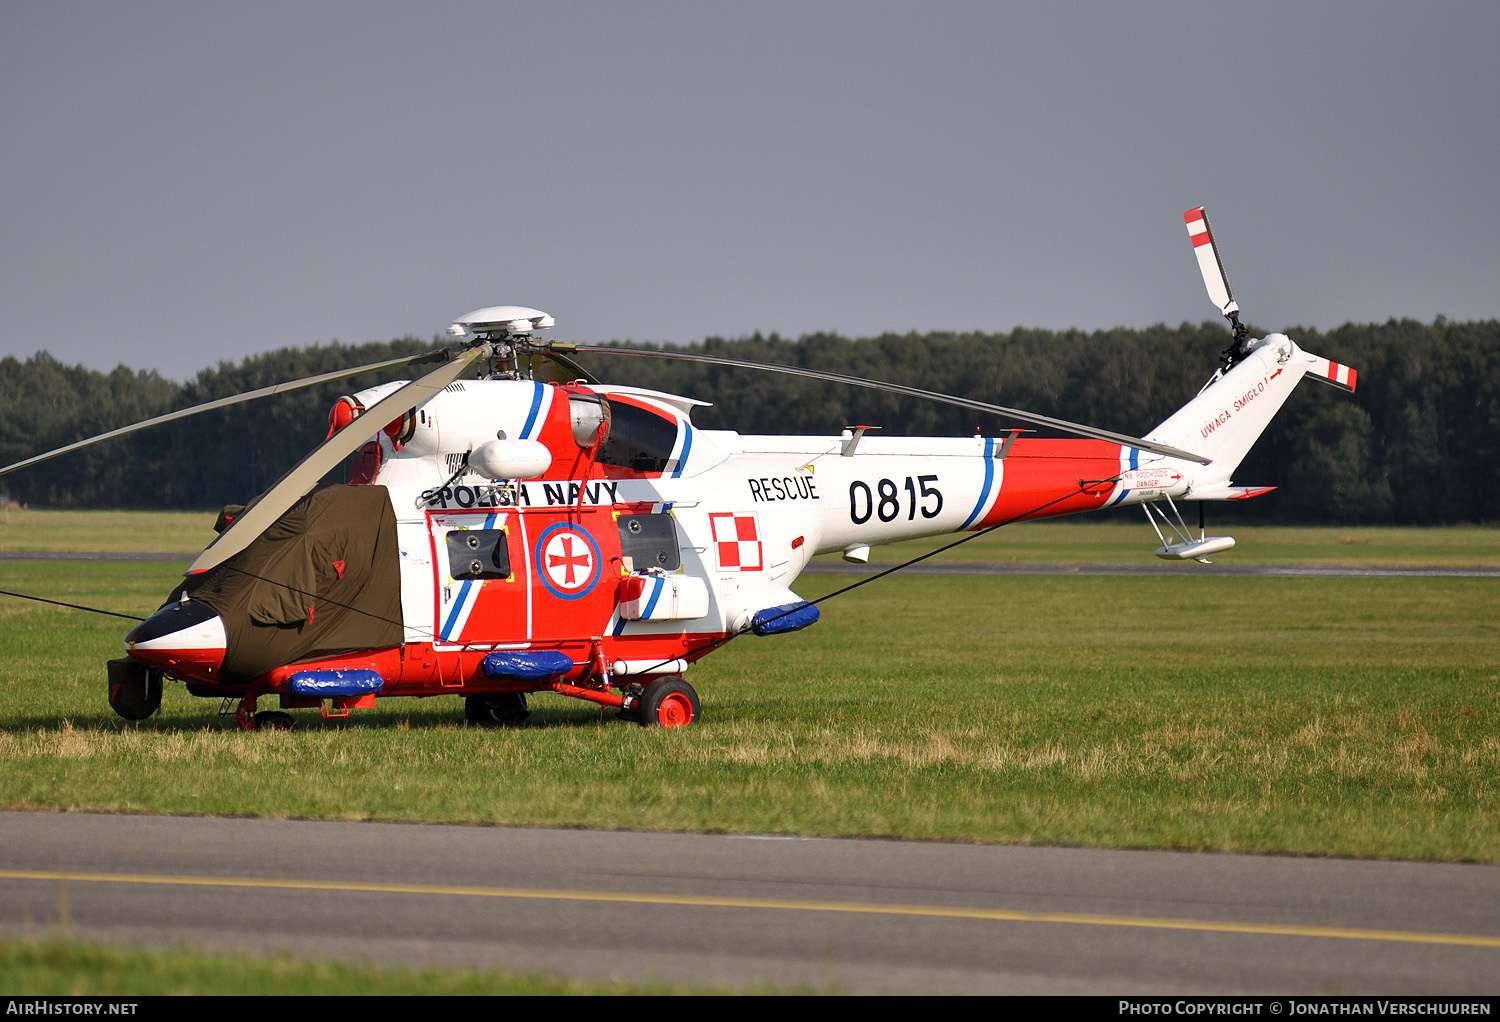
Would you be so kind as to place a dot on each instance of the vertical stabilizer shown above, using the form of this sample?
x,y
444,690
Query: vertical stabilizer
x,y
1228,416
1234,408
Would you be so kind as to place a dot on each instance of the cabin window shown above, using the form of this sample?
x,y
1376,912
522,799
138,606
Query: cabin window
x,y
638,439
649,541
478,553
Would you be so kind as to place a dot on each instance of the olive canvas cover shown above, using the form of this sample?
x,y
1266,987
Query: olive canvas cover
x,y
323,580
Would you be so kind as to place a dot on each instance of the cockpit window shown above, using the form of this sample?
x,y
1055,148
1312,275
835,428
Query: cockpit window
x,y
638,439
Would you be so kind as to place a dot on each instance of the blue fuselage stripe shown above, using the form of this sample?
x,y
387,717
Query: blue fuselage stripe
x,y
656,591
458,606
536,405
989,480
687,445
1135,463
463,593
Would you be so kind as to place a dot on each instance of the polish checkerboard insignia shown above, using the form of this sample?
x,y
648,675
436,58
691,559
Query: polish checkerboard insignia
x,y
737,542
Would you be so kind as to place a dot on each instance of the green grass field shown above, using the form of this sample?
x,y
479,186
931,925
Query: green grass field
x,y
1112,537
60,967
141,532
1122,538
1301,716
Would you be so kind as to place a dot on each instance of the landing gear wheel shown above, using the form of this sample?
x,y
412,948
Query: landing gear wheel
x,y
274,720
505,708
134,691
668,702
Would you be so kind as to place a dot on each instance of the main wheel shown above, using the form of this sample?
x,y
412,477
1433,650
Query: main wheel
x,y
668,702
274,720
505,708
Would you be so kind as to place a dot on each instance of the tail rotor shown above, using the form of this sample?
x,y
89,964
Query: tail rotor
x,y
1217,282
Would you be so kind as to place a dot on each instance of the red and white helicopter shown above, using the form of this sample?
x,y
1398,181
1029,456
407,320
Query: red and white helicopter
x,y
502,536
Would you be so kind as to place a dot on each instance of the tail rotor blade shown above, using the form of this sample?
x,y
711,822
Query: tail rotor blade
x,y
303,476
225,402
1209,262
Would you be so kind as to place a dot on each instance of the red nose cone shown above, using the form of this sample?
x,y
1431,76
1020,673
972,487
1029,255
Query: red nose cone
x,y
183,664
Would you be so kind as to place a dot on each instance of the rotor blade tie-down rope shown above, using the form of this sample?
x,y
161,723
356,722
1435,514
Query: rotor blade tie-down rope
x,y
431,635
73,606
710,646
706,648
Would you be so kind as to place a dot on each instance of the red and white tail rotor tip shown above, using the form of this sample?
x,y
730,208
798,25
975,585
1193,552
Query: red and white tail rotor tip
x,y
1209,262
1341,376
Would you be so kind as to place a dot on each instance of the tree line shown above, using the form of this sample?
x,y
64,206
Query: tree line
x,y
1416,444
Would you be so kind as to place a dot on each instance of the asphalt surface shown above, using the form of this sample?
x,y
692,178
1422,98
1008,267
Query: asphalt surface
x,y
863,916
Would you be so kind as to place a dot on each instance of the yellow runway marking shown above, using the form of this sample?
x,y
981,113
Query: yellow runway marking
x,y
778,904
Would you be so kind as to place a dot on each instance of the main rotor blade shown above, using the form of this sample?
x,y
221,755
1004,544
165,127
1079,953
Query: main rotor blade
x,y
291,487
578,371
225,402
896,388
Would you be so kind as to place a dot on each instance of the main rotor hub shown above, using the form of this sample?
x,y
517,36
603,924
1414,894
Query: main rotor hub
x,y
507,330
501,322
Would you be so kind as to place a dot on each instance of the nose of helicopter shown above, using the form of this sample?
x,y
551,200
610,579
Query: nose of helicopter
x,y
182,640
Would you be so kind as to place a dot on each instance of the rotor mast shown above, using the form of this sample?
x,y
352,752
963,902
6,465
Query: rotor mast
x,y
508,329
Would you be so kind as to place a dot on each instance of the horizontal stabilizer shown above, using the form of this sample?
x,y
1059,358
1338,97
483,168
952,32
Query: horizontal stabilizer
x,y
1229,492
1335,375
1195,550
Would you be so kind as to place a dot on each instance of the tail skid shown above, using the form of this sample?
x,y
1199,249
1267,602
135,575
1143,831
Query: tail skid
x,y
1183,546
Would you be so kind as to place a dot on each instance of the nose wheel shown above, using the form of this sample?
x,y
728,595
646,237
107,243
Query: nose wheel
x,y
504,708
134,689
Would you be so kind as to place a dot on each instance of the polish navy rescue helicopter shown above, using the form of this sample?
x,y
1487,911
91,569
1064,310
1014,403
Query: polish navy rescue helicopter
x,y
501,536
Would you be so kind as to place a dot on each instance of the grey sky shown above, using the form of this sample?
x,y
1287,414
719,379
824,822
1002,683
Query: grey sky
x,y
184,183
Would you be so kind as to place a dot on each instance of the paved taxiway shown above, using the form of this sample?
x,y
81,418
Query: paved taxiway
x,y
697,909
